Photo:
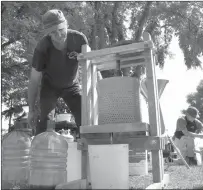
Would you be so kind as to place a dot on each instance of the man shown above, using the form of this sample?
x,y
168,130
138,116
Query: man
x,y
55,66
188,127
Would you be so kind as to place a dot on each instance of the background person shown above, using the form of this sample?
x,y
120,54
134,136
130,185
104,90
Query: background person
x,y
188,127
55,66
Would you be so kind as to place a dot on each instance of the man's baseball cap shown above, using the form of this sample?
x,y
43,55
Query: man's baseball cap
x,y
52,20
192,111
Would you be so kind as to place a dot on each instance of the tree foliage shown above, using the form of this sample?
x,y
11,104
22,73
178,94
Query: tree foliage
x,y
105,23
196,99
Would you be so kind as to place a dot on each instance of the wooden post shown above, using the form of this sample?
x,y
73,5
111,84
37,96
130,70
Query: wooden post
x,y
86,106
86,88
154,117
160,119
94,95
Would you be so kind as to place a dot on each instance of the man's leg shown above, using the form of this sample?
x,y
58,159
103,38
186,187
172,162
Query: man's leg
x,y
191,150
48,99
73,101
190,147
181,145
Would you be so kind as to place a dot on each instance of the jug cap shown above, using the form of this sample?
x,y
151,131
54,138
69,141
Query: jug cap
x,y
50,125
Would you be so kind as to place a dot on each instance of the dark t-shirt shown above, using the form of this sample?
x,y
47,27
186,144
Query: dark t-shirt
x,y
182,123
59,67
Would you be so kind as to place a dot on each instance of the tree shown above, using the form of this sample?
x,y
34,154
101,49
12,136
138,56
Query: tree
x,y
14,80
196,99
161,19
12,111
104,24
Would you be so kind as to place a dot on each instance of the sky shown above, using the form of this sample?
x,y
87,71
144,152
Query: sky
x,y
181,83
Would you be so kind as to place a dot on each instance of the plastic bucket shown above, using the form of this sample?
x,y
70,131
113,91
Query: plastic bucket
x,y
74,162
109,166
138,164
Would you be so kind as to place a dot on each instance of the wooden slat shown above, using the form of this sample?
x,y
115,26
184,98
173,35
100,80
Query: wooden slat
x,y
116,135
103,59
141,142
107,65
95,135
145,142
134,134
113,64
94,96
86,105
133,63
109,61
131,53
132,58
153,109
108,51
115,127
86,88
85,165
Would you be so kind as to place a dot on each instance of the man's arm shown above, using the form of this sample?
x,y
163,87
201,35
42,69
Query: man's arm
x,y
181,126
190,134
35,79
38,65
199,126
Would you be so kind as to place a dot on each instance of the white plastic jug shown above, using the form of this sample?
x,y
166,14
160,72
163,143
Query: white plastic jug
x,y
15,155
48,164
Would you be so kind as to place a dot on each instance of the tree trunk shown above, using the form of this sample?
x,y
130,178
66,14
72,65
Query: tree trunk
x,y
10,116
138,71
93,37
94,28
114,23
9,122
101,32
142,21
120,32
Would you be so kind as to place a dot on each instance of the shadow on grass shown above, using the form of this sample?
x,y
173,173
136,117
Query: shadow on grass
x,y
198,187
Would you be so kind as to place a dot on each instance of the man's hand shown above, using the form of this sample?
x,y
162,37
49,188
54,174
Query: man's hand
x,y
201,136
79,56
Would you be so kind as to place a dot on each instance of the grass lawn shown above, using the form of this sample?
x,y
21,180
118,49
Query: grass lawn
x,y
180,178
